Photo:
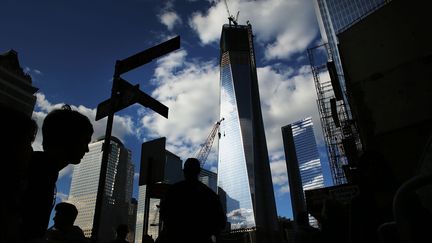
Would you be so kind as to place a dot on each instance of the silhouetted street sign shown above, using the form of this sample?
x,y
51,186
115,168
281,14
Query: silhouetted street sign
x,y
126,95
147,56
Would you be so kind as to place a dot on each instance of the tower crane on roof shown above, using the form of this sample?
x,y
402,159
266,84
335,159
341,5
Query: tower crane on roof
x,y
203,153
231,17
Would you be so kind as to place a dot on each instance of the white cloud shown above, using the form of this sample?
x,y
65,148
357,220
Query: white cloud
x,y
286,27
37,71
169,19
286,98
66,171
280,176
62,196
190,90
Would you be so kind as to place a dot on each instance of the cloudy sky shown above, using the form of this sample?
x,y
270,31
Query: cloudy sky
x,y
70,47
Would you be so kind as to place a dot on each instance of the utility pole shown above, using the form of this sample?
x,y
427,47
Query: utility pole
x,y
124,94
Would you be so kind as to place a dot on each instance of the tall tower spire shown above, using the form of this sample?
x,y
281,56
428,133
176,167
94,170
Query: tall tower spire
x,y
244,176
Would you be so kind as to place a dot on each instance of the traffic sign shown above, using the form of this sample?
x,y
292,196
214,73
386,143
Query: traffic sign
x,y
126,95
147,56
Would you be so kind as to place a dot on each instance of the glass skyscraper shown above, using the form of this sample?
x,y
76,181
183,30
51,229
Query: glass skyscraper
x,y
334,16
303,162
118,188
244,177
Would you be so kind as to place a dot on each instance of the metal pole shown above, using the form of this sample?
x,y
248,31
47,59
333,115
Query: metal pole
x,y
147,197
102,177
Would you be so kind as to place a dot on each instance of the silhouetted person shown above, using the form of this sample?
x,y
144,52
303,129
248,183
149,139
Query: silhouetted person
x,y
122,232
334,222
66,135
190,211
373,205
147,239
17,131
64,230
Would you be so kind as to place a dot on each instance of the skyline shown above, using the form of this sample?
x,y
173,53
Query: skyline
x,y
70,50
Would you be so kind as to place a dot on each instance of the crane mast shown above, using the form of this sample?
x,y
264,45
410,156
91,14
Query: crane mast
x,y
203,153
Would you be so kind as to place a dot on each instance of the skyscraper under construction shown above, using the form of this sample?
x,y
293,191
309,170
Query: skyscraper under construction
x,y
244,177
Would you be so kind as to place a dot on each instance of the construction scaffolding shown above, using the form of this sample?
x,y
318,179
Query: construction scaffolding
x,y
339,129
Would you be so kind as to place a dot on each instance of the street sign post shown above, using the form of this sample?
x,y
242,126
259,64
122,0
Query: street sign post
x,y
124,94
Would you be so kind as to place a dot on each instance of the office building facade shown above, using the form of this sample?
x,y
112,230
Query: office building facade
x,y
118,188
244,177
16,90
303,163
208,178
334,16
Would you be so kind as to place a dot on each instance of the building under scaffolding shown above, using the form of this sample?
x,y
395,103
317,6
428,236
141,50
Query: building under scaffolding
x,y
339,129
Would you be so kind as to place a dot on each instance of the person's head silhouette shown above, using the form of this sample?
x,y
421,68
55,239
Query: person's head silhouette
x,y
66,135
122,231
65,215
191,169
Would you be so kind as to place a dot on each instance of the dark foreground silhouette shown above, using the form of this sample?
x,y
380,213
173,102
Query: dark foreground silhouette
x,y
190,211
66,135
64,230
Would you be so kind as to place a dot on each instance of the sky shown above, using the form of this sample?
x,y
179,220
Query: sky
x,y
70,47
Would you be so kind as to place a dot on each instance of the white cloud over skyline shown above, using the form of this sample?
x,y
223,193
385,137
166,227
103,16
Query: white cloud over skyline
x,y
191,91
170,19
283,27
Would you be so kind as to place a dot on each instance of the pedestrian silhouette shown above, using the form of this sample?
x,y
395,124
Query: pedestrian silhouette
x,y
373,205
66,135
64,230
17,134
190,211
122,232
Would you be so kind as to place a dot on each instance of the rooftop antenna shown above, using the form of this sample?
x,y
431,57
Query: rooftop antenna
x,y
231,17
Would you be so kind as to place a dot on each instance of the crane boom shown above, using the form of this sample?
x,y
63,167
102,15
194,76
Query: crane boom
x,y
203,153
231,17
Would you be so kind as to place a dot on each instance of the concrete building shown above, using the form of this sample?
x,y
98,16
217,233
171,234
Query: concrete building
x,y
118,188
16,88
303,163
244,176
339,126
334,16
387,64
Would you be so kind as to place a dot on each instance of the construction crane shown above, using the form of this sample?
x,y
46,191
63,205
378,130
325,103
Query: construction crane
x,y
231,17
203,153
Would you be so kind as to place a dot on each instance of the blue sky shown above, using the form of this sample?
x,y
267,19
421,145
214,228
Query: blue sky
x,y
70,48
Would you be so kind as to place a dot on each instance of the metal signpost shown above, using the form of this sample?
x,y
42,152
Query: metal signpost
x,y
124,94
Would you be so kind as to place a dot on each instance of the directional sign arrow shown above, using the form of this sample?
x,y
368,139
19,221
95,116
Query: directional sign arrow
x,y
147,56
128,94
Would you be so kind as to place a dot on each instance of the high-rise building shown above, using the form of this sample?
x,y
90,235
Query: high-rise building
x,y
118,188
16,90
334,16
338,124
244,176
303,163
172,173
